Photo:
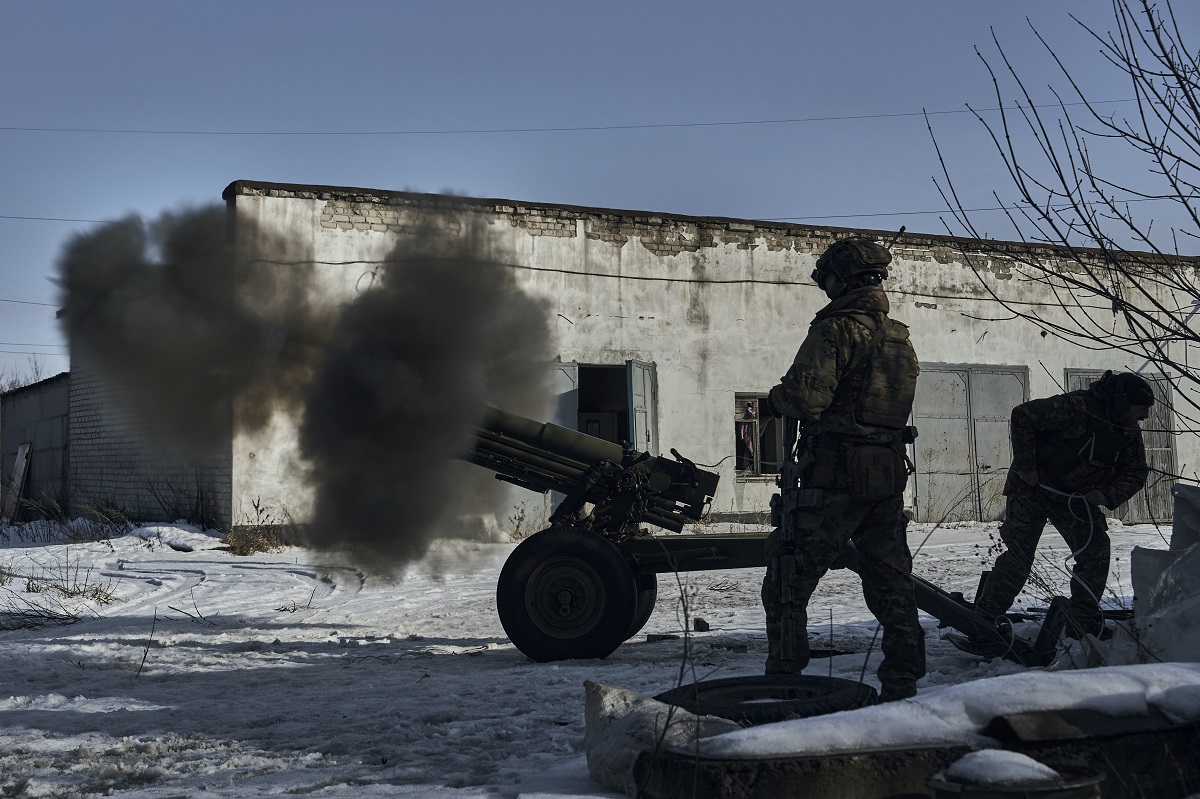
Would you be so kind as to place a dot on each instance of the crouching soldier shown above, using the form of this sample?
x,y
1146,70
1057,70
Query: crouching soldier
x,y
1072,453
851,389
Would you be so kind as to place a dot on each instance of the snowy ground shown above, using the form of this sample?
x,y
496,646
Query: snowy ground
x,y
198,673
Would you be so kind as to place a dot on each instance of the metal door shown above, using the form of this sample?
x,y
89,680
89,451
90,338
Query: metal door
x,y
643,404
963,451
994,393
943,485
565,384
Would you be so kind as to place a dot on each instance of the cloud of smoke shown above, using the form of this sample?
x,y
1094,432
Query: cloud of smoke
x,y
410,365
152,306
388,388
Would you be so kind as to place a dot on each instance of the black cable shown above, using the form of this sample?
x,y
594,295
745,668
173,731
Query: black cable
x,y
557,129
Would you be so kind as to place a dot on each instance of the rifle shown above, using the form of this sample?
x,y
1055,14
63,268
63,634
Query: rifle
x,y
785,508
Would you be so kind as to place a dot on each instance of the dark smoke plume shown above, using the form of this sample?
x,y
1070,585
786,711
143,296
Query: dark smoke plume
x,y
152,306
411,364
388,388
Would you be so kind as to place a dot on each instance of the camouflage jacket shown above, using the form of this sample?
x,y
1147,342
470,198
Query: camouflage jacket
x,y
837,341
1075,447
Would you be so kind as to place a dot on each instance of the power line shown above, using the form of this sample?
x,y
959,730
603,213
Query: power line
x,y
31,302
1063,207
51,218
23,344
763,219
557,129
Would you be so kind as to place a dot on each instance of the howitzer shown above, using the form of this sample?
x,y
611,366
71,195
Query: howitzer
x,y
626,487
587,583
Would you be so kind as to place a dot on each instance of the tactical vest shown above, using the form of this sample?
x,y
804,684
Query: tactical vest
x,y
879,388
1083,460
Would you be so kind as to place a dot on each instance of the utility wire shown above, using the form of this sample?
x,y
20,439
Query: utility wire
x,y
51,218
762,219
31,302
965,210
560,129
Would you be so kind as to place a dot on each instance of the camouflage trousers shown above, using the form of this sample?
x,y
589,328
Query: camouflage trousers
x,y
1085,530
885,565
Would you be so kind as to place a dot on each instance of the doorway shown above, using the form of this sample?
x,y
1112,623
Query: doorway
x,y
616,403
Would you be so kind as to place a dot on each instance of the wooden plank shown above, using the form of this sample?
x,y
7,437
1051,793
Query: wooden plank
x,y
16,483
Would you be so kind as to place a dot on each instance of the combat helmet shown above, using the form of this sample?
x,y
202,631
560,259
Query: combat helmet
x,y
854,257
1123,389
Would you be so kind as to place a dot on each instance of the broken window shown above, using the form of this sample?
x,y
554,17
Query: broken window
x,y
757,436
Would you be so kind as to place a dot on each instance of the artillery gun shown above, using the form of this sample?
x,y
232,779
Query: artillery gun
x,y
588,582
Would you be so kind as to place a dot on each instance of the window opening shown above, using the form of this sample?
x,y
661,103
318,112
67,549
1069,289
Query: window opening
x,y
758,437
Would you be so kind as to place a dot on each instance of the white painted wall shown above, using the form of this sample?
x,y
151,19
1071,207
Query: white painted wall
x,y
719,305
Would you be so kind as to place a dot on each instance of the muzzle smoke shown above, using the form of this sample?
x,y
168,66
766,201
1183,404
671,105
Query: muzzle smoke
x,y
152,307
410,366
387,388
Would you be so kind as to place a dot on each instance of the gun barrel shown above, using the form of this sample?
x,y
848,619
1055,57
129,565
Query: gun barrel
x,y
548,457
565,444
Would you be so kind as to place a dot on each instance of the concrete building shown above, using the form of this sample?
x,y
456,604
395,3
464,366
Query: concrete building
x,y
671,329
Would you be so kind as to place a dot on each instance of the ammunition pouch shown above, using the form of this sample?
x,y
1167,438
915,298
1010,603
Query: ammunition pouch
x,y
875,472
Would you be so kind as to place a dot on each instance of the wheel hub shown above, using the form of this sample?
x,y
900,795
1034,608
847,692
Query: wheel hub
x,y
565,597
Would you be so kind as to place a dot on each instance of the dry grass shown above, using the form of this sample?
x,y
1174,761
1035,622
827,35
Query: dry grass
x,y
50,596
266,530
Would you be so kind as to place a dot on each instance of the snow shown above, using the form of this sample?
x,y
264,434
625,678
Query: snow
x,y
957,713
164,666
998,767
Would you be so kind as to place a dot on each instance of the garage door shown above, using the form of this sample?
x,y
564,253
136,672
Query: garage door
x,y
962,451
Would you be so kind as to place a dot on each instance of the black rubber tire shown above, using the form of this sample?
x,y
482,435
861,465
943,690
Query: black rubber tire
x,y
566,593
647,596
770,698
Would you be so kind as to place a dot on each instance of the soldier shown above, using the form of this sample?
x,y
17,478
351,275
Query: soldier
x,y
1071,454
851,390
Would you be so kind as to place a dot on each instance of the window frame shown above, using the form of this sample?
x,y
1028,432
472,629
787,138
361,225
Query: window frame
x,y
761,425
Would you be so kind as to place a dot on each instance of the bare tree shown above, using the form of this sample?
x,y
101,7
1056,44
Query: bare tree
x,y
34,372
1085,233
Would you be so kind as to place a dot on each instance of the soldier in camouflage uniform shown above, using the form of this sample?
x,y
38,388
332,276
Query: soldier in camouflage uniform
x,y
851,389
1071,454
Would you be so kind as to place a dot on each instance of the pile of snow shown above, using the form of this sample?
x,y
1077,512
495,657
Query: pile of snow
x,y
956,714
1000,768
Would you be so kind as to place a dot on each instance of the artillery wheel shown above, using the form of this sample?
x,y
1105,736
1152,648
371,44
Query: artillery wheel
x,y
647,596
770,698
566,593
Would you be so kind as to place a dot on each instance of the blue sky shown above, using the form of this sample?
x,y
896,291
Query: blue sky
x,y
377,94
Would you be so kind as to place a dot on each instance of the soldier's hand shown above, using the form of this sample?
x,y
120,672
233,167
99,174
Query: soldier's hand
x,y
769,407
1029,475
1096,497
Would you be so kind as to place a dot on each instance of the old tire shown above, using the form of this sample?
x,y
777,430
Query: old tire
x,y
647,596
774,697
566,593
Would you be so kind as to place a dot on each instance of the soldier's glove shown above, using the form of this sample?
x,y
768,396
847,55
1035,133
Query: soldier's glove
x,y
1096,497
